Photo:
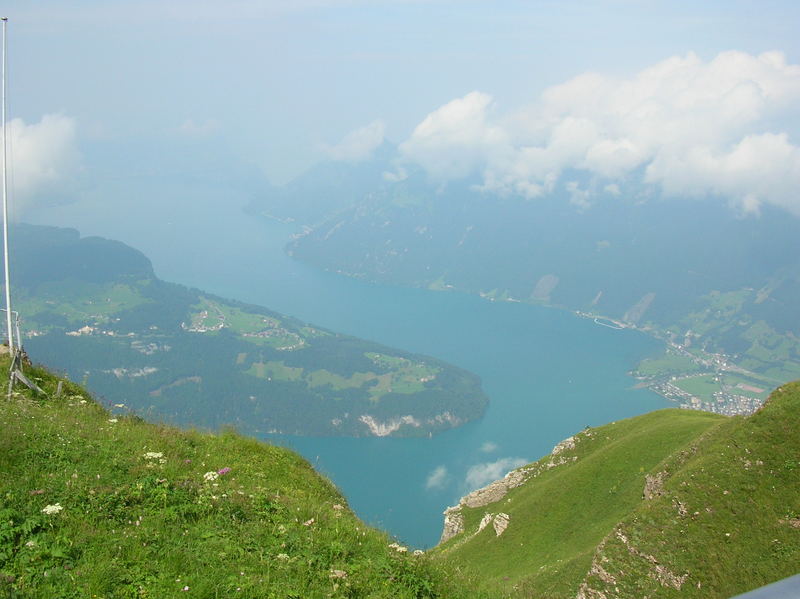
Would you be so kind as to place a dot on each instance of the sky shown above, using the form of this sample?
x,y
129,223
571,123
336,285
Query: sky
x,y
695,98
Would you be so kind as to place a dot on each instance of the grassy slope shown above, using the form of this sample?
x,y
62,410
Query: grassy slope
x,y
729,518
726,519
139,526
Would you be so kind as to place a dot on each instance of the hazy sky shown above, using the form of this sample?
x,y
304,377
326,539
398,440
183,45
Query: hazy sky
x,y
273,86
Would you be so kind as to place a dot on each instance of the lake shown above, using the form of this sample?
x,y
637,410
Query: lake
x,y
548,373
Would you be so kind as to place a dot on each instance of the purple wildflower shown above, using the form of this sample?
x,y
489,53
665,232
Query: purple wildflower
x,y
224,470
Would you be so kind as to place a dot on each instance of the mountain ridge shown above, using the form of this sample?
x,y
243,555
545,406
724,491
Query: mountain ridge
x,y
716,492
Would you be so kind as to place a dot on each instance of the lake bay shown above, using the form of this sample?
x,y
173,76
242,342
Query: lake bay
x,y
548,373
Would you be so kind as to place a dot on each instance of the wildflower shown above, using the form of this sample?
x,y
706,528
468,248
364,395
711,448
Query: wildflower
x,y
337,507
186,588
308,522
119,405
224,470
418,552
113,420
209,476
52,509
398,548
282,556
337,574
153,455
37,492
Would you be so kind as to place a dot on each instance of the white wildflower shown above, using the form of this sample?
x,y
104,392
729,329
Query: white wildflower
x,y
113,420
308,522
52,509
337,574
282,556
209,476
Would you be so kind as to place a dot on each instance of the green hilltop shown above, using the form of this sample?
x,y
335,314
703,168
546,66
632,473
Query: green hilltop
x,y
97,505
674,503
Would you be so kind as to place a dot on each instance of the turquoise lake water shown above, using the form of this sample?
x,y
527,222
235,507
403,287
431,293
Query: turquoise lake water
x,y
548,373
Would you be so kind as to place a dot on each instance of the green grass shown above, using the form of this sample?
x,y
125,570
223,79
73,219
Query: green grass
x,y
140,516
703,386
667,364
80,303
724,520
275,370
404,376
740,492
559,518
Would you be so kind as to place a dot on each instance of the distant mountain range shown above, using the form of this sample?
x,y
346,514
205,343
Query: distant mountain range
x,y
94,309
718,287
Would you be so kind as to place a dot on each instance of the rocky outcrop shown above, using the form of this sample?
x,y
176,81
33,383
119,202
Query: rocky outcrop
x,y
568,443
500,523
495,491
384,429
453,523
654,485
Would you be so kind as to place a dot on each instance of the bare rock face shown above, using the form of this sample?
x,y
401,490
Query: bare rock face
x,y
654,485
568,443
484,521
453,523
495,491
500,523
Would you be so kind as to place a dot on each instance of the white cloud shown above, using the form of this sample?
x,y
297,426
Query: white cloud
x,y
693,127
42,154
489,447
359,144
454,140
481,475
437,479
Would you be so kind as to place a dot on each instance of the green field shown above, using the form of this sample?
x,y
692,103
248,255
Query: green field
x,y
669,363
275,371
702,387
80,304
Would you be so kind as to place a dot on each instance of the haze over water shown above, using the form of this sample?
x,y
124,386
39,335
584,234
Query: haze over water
x,y
548,374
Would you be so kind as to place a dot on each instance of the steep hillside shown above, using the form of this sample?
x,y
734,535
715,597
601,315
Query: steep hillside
x,y
100,506
94,309
669,504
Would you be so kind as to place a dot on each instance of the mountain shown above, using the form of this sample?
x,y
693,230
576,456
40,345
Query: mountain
x,y
326,188
719,288
101,506
94,309
675,503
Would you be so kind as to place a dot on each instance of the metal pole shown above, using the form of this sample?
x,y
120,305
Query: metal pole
x,y
5,196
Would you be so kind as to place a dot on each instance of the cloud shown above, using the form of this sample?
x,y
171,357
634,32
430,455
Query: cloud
x,y
688,126
454,140
41,155
438,478
359,144
489,447
480,475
